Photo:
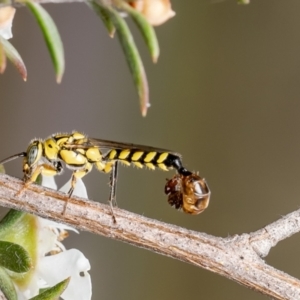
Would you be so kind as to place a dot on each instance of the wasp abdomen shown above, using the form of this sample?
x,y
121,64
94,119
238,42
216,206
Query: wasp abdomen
x,y
150,159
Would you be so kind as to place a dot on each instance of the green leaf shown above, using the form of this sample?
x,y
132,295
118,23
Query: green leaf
x,y
14,257
51,37
22,229
2,65
13,55
146,29
133,58
9,221
6,286
102,12
54,292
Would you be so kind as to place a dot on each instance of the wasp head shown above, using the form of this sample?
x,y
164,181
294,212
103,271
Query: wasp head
x,y
33,155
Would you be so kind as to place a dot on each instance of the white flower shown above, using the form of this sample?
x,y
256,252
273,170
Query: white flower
x,y
61,264
6,18
70,263
79,190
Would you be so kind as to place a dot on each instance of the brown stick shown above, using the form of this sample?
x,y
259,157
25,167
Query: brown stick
x,y
237,257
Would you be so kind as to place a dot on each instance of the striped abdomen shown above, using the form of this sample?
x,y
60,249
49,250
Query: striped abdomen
x,y
149,159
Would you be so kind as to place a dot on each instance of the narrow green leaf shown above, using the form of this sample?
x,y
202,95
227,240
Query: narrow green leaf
x,y
2,169
51,36
2,64
54,292
39,180
243,2
14,257
133,58
9,221
13,55
102,12
146,29
6,286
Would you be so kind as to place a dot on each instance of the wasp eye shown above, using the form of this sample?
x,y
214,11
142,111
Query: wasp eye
x,y
32,154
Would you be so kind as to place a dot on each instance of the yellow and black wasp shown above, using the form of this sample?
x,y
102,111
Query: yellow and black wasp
x,y
186,190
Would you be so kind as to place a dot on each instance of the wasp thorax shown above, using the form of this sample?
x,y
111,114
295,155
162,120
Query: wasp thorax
x,y
188,192
51,149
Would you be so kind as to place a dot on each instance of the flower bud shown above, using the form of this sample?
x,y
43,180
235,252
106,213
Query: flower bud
x,y
156,12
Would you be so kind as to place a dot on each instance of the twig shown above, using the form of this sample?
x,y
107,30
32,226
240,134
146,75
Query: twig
x,y
237,257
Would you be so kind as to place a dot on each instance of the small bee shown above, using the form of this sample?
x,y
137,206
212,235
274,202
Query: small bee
x,y
80,153
188,192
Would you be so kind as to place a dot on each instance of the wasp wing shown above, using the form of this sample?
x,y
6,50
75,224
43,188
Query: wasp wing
x,y
109,145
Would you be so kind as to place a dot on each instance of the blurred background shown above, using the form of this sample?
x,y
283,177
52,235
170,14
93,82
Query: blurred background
x,y
225,94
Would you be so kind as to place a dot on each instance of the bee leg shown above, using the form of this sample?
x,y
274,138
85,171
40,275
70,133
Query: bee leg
x,y
113,187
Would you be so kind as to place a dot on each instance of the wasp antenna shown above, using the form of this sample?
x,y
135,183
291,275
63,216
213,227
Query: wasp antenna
x,y
22,154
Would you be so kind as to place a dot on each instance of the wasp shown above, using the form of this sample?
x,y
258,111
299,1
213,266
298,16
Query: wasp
x,y
80,154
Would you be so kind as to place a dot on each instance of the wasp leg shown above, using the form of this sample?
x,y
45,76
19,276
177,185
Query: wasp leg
x,y
77,174
113,186
112,168
43,169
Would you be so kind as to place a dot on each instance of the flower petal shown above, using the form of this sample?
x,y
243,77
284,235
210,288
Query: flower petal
x,y
49,182
79,191
6,17
71,263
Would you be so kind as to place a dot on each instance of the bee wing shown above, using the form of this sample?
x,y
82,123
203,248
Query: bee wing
x,y
108,145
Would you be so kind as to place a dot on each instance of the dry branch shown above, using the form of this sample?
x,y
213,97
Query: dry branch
x,y
237,258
